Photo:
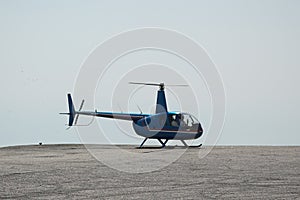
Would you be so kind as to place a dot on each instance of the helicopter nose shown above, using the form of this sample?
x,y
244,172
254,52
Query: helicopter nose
x,y
200,128
200,131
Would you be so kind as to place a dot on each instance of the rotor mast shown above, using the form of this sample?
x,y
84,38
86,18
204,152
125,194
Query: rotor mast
x,y
161,102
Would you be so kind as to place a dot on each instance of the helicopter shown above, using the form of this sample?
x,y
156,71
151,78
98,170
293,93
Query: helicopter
x,y
162,125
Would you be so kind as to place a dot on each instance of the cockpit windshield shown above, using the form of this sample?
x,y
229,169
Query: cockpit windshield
x,y
188,120
183,120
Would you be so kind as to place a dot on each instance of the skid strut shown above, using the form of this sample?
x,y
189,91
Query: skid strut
x,y
163,143
143,142
184,143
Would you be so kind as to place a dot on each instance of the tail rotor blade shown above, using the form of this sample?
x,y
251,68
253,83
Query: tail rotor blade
x,y
76,119
81,105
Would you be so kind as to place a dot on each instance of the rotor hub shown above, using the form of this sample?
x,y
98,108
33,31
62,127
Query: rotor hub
x,y
161,86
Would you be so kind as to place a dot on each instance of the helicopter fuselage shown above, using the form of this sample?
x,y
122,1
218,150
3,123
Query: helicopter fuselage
x,y
171,125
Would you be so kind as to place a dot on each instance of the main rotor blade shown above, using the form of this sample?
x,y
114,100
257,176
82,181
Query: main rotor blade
x,y
183,85
159,84
139,83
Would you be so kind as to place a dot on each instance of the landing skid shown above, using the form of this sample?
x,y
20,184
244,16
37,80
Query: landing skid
x,y
163,144
195,146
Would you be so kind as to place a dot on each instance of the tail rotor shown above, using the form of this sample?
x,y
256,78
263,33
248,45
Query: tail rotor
x,y
80,108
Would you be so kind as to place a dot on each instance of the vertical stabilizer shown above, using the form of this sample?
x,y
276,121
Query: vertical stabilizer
x,y
71,110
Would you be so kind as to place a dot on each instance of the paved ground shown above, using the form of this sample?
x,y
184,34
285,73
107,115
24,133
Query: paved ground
x,y
69,171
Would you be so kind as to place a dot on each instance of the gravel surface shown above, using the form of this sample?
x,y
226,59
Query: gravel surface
x,y
70,172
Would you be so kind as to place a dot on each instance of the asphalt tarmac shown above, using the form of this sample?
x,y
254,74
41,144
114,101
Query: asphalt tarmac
x,y
71,172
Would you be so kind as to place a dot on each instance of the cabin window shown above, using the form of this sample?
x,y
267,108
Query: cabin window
x,y
162,120
174,120
143,123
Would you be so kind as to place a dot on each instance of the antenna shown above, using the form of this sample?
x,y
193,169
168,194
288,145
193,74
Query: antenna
x,y
120,108
139,108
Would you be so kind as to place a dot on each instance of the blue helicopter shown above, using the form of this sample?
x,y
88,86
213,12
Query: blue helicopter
x,y
163,125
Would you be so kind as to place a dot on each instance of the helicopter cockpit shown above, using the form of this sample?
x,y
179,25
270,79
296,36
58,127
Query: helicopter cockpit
x,y
183,121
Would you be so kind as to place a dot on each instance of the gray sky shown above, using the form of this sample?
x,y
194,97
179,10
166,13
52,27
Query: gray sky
x,y
255,45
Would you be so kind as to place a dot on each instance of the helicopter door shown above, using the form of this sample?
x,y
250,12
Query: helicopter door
x,y
188,122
